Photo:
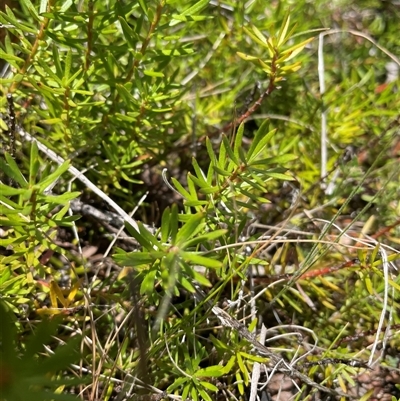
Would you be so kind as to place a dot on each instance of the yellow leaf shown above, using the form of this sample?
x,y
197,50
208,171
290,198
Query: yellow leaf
x,y
342,384
243,369
239,382
73,292
368,284
291,67
271,47
283,30
259,35
55,292
246,57
367,395
296,49
328,304
48,311
395,285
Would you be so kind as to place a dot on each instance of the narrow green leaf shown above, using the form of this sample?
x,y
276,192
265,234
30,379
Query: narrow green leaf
x,y
238,141
204,395
265,65
279,176
190,228
181,51
194,391
76,83
152,239
260,141
143,6
200,5
138,237
201,279
125,94
210,371
221,346
221,172
165,224
5,190
222,159
243,155
230,364
11,19
10,168
254,183
192,188
229,151
247,204
31,8
9,58
247,57
57,62
296,49
41,87
201,260
394,284
375,252
177,383
67,68
253,358
293,302
256,35
201,183
274,160
210,151
34,164
253,325
209,386
249,194
7,201
174,221
199,172
211,236
187,285
3,125
147,286
60,199
196,203
208,190
9,46
368,285
135,258
259,35
196,8
156,74
271,47
50,179
281,39
242,367
111,152
130,36
194,18
52,121
49,71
